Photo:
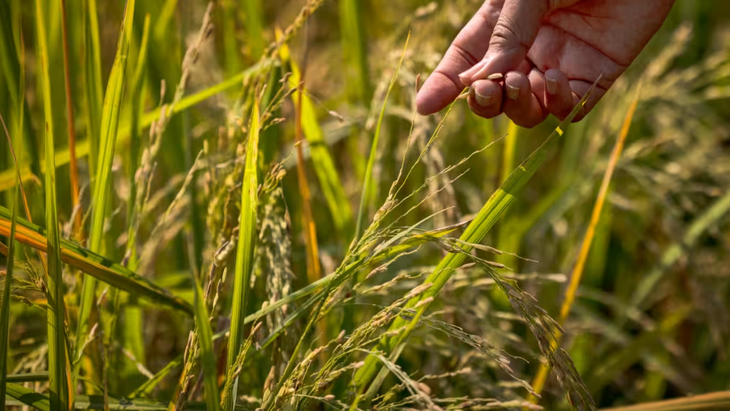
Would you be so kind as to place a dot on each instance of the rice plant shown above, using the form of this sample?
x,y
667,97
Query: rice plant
x,y
212,205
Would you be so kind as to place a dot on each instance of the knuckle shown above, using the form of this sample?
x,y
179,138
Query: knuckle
x,y
506,36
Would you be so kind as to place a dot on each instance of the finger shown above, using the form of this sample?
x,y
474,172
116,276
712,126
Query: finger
x,y
558,96
485,98
443,85
512,37
520,104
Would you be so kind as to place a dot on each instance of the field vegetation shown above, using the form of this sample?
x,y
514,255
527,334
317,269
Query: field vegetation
x,y
233,205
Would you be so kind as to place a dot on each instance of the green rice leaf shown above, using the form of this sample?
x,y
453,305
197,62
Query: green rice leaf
x,y
93,87
58,371
5,297
102,182
28,377
146,388
244,251
205,338
254,27
28,397
94,264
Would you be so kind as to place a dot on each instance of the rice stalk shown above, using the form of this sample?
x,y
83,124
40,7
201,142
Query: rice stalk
x,y
227,13
352,29
5,298
74,172
508,239
58,370
254,27
474,233
102,181
244,252
93,86
205,339
133,321
539,381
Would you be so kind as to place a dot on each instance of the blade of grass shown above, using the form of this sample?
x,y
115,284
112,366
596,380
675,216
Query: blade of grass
x,y
354,52
74,172
133,322
506,239
207,354
58,371
28,377
232,55
539,381
21,131
474,233
102,181
146,388
25,396
254,27
93,264
244,252
357,77
701,402
29,397
94,88
366,199
5,299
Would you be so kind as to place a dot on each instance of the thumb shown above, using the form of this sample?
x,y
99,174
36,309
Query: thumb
x,y
511,39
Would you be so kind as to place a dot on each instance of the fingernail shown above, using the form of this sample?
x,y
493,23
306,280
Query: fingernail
x,y
484,101
551,85
513,92
466,76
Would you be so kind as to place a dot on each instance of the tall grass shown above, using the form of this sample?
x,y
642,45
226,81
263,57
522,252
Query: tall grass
x,y
244,252
212,277
59,374
102,182
5,301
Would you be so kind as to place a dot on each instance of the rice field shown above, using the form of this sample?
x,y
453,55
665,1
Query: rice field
x,y
234,205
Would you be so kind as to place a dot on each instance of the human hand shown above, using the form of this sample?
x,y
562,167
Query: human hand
x,y
550,52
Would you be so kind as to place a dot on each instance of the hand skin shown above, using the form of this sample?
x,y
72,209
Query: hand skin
x,y
549,51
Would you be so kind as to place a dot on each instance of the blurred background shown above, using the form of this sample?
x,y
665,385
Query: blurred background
x,y
651,319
